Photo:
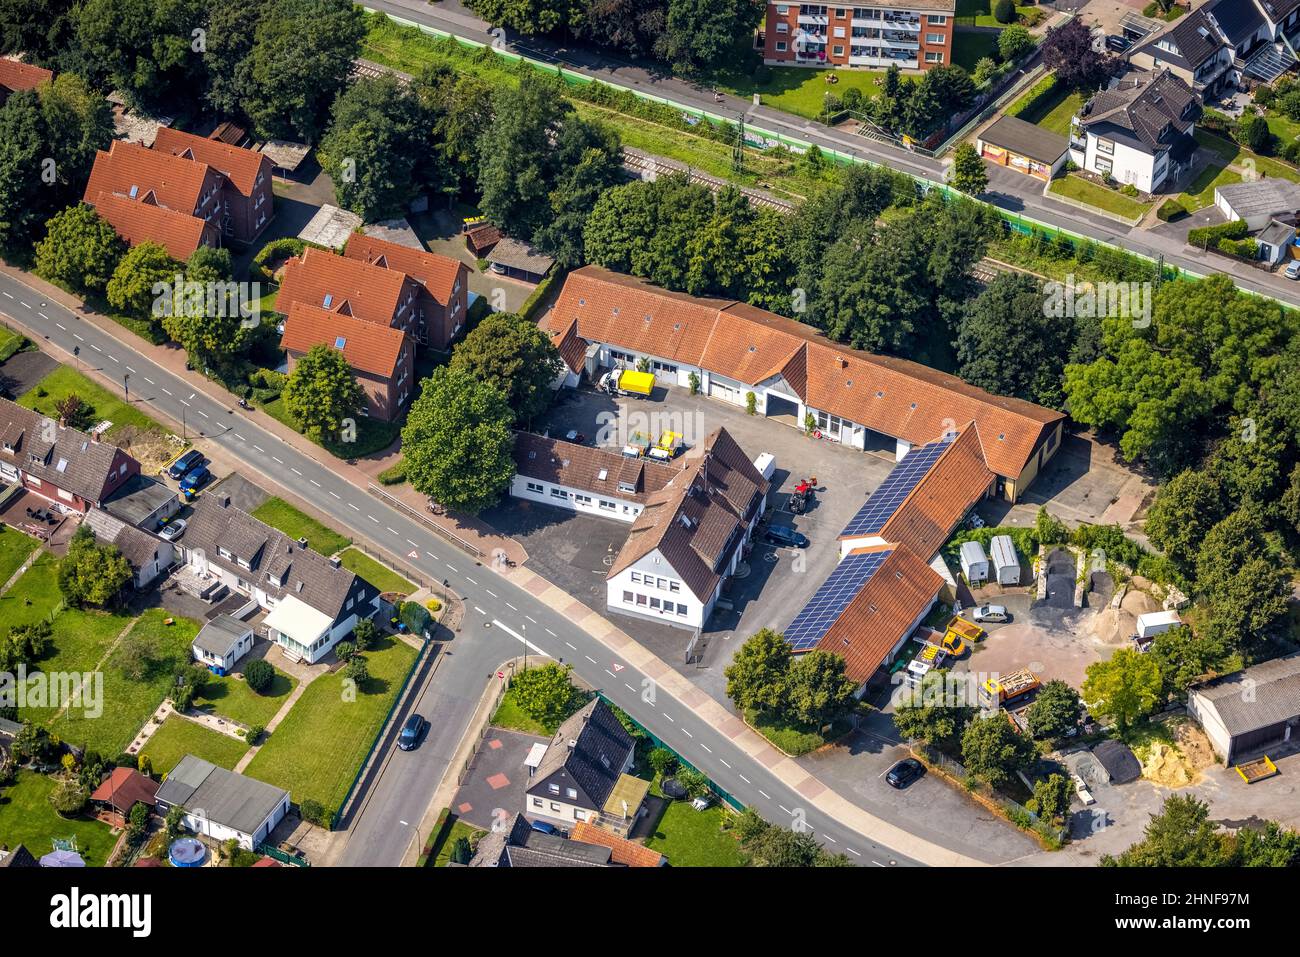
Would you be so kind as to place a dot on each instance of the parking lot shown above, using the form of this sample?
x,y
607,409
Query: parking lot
x,y
497,778
575,552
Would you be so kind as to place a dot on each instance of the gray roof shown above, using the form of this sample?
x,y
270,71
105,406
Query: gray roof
x,y
138,499
1262,197
1238,20
137,546
224,797
1014,134
73,461
520,846
1277,233
18,857
592,765
221,635
1255,698
1195,37
1120,763
1150,110
518,255
300,572
1277,10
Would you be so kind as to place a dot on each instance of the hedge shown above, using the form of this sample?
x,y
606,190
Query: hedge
x,y
1170,210
1040,91
538,296
286,246
1210,236
395,475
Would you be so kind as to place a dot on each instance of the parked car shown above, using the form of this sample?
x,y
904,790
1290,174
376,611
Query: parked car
x,y
904,773
573,435
1118,43
546,828
195,479
409,739
991,613
172,530
1292,270
784,535
186,463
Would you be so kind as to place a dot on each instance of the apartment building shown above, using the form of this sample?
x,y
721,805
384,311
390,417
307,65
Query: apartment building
x,y
246,199
443,299
1220,43
916,35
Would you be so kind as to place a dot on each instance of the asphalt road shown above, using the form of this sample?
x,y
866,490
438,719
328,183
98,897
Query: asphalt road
x,y
1007,189
499,617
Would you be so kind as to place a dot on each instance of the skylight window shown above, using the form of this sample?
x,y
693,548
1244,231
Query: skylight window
x,y
340,342
329,298
135,191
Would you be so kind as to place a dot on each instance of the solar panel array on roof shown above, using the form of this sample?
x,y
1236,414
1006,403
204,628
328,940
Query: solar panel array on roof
x,y
825,607
884,501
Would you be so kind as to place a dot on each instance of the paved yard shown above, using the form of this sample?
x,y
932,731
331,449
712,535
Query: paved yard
x,y
930,808
23,370
497,778
574,551
441,232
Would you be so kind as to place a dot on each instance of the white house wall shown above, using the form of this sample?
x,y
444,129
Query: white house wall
x,y
1128,165
641,581
570,498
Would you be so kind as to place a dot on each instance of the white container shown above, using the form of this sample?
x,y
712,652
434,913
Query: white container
x,y
1156,622
1006,567
766,465
974,563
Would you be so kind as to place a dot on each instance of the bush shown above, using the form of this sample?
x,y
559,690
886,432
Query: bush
x,y
1208,237
1004,11
1253,132
313,812
275,250
663,761
415,617
1170,210
395,475
1128,189
259,674
254,734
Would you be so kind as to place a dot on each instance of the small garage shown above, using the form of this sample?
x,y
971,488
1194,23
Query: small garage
x,y
1024,147
1249,712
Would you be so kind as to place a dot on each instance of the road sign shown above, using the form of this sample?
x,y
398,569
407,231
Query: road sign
x,y
501,675
412,554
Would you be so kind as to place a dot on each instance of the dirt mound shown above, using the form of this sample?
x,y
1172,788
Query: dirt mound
x,y
151,448
1180,764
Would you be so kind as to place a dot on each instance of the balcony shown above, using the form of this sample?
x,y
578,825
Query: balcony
x,y
814,19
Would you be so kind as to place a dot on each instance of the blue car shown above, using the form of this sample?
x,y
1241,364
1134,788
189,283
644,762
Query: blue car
x,y
784,536
546,828
195,479
185,464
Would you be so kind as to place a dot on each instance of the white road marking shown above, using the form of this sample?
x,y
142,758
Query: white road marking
x,y
785,809
45,317
877,863
687,733
132,371
514,634
23,304
373,519
531,618
314,482
724,762
409,542
453,567
277,460
628,687
8,296
511,607
572,647
610,673
706,748
479,610
829,838
77,337
470,580
62,326
147,379
238,436
551,633
201,412
853,852
168,391
336,495
765,794
589,658
95,347
351,506
494,595
746,780
294,471
390,531
668,716
115,359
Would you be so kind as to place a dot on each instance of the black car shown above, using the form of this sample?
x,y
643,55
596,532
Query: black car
x,y
1118,44
409,739
904,773
182,466
783,535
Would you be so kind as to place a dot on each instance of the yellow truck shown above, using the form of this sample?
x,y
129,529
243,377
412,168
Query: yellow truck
x,y
1004,688
668,446
628,382
958,631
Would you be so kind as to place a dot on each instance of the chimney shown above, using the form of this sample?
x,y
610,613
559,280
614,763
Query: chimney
x,y
223,501
94,435
335,561
573,743
302,542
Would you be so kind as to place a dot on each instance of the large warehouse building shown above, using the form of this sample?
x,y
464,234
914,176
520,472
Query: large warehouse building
x,y
1250,711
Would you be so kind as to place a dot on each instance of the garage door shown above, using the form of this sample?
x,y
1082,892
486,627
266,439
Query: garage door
x,y
720,391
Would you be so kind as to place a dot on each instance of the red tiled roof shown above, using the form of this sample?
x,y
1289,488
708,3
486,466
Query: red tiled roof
x,y
572,348
580,466
622,851
124,787
240,166
438,274
955,482
266,862
367,346
355,288
16,75
138,222
882,613
173,182
892,396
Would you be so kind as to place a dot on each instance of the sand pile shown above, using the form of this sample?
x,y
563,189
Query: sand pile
x,y
1180,764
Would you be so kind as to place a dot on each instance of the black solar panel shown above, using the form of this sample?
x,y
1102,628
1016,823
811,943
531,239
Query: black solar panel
x,y
825,607
884,501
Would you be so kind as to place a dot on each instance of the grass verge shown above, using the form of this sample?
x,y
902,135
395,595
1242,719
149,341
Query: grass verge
x,y
180,736
278,513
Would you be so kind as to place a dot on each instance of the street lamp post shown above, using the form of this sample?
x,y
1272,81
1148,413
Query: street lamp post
x,y
126,385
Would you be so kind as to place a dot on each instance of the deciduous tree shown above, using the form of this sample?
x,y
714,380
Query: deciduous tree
x,y
1127,687
516,357
322,392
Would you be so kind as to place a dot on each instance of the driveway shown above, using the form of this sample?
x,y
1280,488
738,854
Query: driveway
x,y
494,787
22,370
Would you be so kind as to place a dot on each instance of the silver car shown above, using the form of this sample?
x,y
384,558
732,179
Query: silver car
x,y
172,530
990,613
1292,270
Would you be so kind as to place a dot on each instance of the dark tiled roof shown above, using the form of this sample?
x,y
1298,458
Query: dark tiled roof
x,y
1149,106
18,857
1238,20
74,461
137,546
1274,696
308,575
520,846
694,520
1278,10
600,750
581,467
1026,139
1120,763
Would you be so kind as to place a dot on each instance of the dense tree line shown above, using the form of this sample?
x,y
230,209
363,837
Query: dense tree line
x,y
1182,835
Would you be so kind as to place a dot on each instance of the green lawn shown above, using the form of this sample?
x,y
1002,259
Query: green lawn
x,y
180,736
128,702
278,513
1055,112
372,435
792,738
34,596
1232,154
800,90
317,751
232,698
979,13
691,838
510,715
15,548
65,381
381,576
969,46
26,818
1200,192
1078,188
457,830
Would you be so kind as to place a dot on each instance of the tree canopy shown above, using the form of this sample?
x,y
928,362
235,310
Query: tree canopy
x,y
322,392
516,357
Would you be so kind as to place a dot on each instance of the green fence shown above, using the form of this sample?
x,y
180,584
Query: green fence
x,y
275,854
725,796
